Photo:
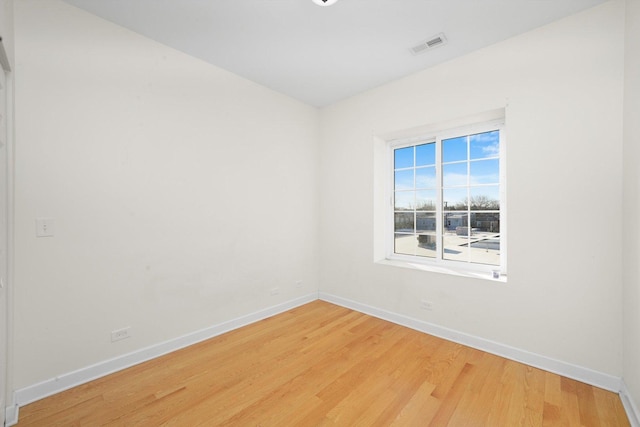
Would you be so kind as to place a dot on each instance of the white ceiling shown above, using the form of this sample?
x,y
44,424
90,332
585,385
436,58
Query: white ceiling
x,y
321,55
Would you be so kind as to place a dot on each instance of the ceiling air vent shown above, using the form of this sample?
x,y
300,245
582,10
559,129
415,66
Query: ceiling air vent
x,y
432,43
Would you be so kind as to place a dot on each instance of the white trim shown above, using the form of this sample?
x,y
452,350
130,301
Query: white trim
x,y
579,373
11,415
468,271
629,406
11,412
424,130
66,381
504,208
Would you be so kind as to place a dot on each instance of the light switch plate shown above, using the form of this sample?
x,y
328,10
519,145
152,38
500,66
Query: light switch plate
x,y
44,227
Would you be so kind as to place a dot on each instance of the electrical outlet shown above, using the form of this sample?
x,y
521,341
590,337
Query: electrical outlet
x,y
426,305
120,334
275,291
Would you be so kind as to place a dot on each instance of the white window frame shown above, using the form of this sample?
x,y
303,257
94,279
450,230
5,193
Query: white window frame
x,y
438,263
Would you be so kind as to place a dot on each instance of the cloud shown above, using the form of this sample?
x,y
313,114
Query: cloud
x,y
491,150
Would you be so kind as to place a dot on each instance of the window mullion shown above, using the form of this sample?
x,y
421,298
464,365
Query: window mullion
x,y
468,198
415,185
503,203
392,209
439,202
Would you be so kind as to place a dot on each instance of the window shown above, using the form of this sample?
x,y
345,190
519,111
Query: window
x,y
447,201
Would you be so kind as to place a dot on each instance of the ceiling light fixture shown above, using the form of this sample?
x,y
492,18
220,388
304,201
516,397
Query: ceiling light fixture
x,y
324,2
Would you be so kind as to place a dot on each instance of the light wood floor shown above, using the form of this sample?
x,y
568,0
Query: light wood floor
x,y
323,365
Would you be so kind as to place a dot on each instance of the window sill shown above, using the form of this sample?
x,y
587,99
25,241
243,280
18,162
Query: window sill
x,y
442,269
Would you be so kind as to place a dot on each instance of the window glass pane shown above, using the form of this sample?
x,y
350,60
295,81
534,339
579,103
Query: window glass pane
x,y
454,149
426,154
454,199
425,222
403,158
456,222
455,239
485,248
485,172
454,175
404,180
404,222
426,245
486,222
404,200
485,198
405,244
426,200
485,144
426,177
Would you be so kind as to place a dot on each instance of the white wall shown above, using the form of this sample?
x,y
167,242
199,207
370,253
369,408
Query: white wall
x,y
181,193
563,88
632,201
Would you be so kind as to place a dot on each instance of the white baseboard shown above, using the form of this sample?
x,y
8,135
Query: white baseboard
x,y
598,379
629,406
66,381
11,415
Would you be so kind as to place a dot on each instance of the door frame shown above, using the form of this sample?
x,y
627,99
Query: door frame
x,y
9,411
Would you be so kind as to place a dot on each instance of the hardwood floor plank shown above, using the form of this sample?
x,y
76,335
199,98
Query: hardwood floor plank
x,y
471,410
408,379
534,395
498,407
395,374
324,365
570,402
551,415
587,404
356,369
610,409
421,408
445,367
65,415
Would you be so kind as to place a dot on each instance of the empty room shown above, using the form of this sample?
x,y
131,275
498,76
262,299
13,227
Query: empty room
x,y
320,213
